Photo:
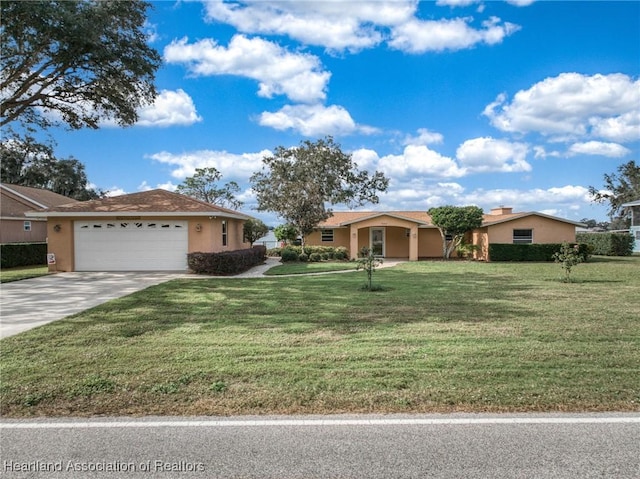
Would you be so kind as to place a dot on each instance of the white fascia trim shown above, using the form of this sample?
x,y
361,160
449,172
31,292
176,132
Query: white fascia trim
x,y
111,214
30,200
17,218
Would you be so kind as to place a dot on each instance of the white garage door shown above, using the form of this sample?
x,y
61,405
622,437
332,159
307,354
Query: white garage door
x,y
131,245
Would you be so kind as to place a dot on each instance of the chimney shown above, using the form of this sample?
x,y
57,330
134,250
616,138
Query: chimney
x,y
501,210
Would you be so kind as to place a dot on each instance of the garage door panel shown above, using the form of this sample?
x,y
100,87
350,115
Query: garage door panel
x,y
131,245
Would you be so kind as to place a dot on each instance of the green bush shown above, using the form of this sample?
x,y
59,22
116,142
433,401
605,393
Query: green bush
x,y
22,254
531,252
303,257
326,253
227,262
608,244
289,254
315,257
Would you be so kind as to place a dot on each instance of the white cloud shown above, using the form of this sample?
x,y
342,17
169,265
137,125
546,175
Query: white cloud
x,y
419,159
170,108
337,26
355,26
572,105
232,166
425,137
115,191
298,76
487,154
314,120
529,200
419,36
169,186
623,128
456,3
521,3
612,150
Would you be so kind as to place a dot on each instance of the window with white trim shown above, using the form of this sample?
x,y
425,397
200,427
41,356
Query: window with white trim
x,y
27,226
224,233
522,236
326,236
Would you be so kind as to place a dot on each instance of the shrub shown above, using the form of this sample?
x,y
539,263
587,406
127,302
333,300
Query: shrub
x,y
315,257
568,257
289,254
531,252
369,263
303,257
325,252
22,254
608,244
227,262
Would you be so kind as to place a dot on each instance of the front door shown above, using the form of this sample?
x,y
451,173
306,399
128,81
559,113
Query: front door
x,y
377,241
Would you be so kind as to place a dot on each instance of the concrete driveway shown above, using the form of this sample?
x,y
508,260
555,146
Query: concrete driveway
x,y
32,302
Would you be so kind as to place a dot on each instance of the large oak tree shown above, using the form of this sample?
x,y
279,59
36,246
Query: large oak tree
x,y
75,62
301,184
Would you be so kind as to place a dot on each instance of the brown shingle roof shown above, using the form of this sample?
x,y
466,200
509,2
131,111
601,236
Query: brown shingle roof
x,y
344,218
17,199
153,201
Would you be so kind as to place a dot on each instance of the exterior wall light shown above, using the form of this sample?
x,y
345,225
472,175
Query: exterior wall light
x,y
198,227
57,228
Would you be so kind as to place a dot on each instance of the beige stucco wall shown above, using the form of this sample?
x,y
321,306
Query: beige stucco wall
x,y
60,243
340,238
545,230
207,239
429,243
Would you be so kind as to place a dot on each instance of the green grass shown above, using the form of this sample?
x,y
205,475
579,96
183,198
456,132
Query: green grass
x,y
440,336
304,268
23,272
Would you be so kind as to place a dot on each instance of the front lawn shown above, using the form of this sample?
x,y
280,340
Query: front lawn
x,y
305,268
441,336
23,272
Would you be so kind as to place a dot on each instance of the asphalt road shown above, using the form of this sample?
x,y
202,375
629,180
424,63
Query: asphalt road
x,y
426,446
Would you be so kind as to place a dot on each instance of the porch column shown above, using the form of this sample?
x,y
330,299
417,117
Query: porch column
x,y
353,242
413,243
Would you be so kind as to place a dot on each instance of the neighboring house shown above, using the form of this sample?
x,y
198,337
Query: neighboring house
x,y
148,231
410,234
15,201
634,207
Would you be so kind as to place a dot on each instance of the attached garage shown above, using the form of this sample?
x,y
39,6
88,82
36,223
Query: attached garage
x,y
130,245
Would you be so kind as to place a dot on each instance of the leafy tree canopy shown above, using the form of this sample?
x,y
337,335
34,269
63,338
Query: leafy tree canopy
x,y
29,163
619,188
455,221
254,229
301,184
203,185
79,61
286,233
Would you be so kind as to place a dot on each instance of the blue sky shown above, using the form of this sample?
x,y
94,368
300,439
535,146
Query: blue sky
x,y
519,103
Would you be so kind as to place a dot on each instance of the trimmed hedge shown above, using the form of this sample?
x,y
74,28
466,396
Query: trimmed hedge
x,y
227,262
23,254
294,253
608,244
530,252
